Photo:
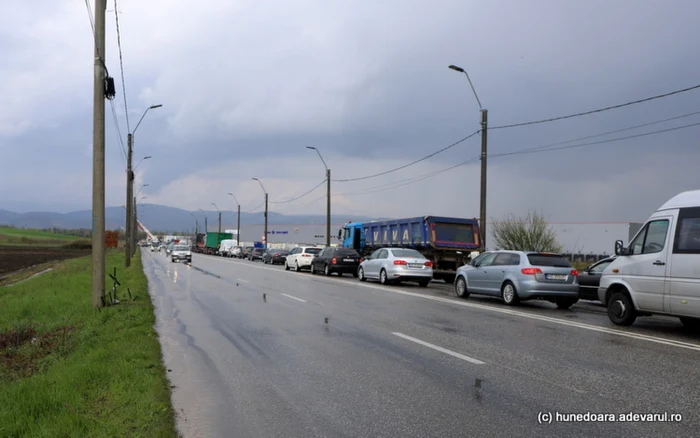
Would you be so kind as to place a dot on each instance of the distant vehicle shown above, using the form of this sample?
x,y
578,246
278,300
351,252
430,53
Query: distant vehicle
x,y
256,254
169,249
658,272
236,251
394,265
300,257
589,279
336,260
516,276
154,247
275,256
181,253
447,242
245,252
226,247
210,243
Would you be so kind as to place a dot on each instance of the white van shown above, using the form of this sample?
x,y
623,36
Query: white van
x,y
659,273
226,247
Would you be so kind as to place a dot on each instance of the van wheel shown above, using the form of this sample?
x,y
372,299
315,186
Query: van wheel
x,y
691,323
621,310
509,294
461,287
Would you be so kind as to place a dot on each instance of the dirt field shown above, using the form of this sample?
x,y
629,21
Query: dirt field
x,y
13,258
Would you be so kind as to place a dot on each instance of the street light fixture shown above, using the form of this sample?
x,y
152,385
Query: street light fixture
x,y
142,186
144,158
484,132
217,209
130,216
264,191
328,196
238,231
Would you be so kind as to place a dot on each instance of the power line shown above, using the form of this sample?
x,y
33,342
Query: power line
x,y
253,210
94,36
411,163
300,196
121,66
634,102
539,149
119,133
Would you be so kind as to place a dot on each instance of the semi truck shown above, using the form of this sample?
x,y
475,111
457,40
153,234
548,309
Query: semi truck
x,y
209,243
447,242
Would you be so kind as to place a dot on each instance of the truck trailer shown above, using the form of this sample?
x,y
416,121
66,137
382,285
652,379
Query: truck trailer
x,y
209,243
447,242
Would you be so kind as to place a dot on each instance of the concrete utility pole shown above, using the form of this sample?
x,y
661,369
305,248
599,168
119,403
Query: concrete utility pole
x,y
206,226
217,209
98,159
238,230
196,224
264,191
133,229
484,132
328,196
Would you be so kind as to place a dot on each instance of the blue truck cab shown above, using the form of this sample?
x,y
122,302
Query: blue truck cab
x,y
447,242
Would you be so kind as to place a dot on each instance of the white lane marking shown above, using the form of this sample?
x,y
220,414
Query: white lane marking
x,y
637,336
440,349
294,298
242,280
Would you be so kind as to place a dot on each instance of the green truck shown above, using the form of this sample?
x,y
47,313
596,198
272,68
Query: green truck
x,y
209,243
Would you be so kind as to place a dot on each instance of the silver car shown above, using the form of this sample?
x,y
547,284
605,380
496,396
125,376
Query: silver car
x,y
181,252
518,276
394,265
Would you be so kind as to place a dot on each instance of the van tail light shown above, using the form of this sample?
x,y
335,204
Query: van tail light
x,y
334,261
574,272
531,271
400,262
429,264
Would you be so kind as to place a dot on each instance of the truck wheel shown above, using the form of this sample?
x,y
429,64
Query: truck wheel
x,y
621,310
383,278
461,288
509,294
361,274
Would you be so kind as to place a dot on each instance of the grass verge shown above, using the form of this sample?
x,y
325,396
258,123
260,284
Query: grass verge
x,y
68,370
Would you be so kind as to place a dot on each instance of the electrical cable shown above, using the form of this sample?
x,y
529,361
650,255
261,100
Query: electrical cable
x,y
300,196
121,65
94,36
411,163
253,209
634,102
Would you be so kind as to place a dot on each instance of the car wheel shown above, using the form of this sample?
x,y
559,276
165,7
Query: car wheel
x,y
691,323
313,269
424,283
286,266
621,310
296,267
461,287
361,274
566,302
327,271
382,277
509,294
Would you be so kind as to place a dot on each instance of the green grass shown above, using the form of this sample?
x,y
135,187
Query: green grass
x,y
23,237
87,372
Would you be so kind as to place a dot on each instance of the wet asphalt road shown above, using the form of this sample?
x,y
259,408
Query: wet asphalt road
x,y
250,355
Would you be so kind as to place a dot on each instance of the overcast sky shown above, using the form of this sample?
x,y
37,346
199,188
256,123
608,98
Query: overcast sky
x,y
246,85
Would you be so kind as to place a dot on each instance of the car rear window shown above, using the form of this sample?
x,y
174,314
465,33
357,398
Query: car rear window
x,y
347,252
553,260
312,250
407,253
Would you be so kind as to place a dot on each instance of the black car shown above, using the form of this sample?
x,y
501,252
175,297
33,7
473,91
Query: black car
x,y
338,260
275,256
589,279
256,253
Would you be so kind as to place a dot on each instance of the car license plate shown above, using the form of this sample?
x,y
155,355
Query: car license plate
x,y
556,277
415,265
348,260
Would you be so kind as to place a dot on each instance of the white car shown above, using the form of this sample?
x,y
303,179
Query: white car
x,y
181,252
300,258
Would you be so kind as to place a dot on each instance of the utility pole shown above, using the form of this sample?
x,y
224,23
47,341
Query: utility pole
x,y
484,132
328,208
98,159
133,229
217,209
265,220
482,212
129,196
238,230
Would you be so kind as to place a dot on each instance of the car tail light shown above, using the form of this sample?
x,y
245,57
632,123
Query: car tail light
x,y
429,264
531,271
400,262
334,261
275,255
361,260
574,272
306,255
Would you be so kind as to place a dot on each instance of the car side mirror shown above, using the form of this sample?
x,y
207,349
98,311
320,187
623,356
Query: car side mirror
x,y
620,248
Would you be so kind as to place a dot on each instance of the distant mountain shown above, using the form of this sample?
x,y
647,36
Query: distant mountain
x,y
161,218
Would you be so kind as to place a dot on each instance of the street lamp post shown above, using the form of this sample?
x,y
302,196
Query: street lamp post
x,y
264,191
484,132
134,228
130,188
238,230
328,196
206,226
196,225
217,209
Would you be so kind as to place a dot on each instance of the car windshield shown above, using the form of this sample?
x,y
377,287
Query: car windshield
x,y
312,250
553,260
407,253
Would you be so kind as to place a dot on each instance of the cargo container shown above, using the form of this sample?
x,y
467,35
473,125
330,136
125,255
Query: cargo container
x,y
447,242
212,242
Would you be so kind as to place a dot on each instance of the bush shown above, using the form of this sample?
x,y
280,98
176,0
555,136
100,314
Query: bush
x,y
79,244
532,233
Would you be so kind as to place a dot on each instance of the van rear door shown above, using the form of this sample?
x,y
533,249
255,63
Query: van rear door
x,y
684,278
645,266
